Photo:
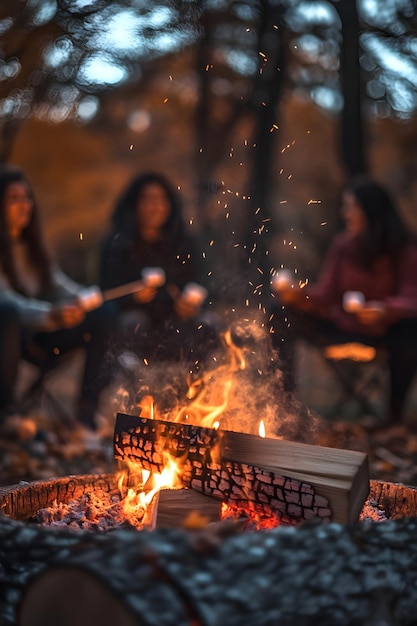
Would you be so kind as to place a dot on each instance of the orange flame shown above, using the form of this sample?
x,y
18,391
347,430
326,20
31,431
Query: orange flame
x,y
204,409
147,406
208,398
138,499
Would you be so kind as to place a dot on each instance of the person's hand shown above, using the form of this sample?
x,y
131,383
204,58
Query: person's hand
x,y
289,294
373,312
185,308
145,295
67,314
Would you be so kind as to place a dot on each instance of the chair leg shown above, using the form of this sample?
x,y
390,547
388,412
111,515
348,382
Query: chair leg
x,y
37,394
352,387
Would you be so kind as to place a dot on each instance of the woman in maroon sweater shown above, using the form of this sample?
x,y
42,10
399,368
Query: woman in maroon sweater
x,y
376,257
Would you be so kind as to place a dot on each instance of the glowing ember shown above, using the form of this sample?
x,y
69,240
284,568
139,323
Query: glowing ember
x,y
251,519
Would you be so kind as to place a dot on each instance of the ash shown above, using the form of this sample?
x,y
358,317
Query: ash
x,y
99,511
102,511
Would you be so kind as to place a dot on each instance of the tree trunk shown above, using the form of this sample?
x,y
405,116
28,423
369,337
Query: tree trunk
x,y
8,133
352,125
267,94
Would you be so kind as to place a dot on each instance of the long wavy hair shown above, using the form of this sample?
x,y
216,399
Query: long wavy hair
x,y
124,219
385,232
31,235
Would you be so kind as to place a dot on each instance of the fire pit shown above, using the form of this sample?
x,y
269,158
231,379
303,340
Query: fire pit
x,y
344,573
22,502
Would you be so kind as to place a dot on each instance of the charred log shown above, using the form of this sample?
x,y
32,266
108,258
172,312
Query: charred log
x,y
294,481
198,452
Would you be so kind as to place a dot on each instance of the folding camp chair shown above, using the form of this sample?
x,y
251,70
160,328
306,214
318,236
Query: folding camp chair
x,y
361,371
40,391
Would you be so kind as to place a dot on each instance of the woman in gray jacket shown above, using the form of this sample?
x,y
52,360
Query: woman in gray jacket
x,y
41,314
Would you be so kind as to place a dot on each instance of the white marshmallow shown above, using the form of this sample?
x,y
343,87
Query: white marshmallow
x,y
153,276
353,301
90,298
283,278
194,293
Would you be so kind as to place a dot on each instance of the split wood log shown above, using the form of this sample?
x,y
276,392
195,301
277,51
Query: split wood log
x,y
295,481
342,476
338,571
174,508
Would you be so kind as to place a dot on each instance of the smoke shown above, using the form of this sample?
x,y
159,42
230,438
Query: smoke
x,y
238,385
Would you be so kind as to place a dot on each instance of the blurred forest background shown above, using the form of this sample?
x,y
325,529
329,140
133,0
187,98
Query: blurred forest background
x,y
258,110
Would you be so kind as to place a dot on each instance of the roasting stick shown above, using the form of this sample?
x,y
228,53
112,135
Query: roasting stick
x,y
193,292
93,297
123,290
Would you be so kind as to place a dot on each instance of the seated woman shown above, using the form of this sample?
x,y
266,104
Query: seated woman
x,y
41,315
165,322
376,257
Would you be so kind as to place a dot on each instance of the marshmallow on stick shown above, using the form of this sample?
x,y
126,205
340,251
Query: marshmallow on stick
x,y
92,297
194,293
153,276
353,301
283,279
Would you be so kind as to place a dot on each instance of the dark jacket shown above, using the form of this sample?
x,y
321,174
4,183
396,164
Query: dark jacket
x,y
123,258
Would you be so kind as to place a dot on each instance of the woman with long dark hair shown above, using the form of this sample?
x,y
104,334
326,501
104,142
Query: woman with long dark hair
x,y
41,315
366,291
159,322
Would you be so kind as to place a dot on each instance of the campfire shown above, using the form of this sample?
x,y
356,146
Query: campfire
x,y
186,473
198,447
182,459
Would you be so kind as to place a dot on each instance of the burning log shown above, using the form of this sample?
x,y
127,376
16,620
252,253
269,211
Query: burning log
x,y
296,481
198,454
